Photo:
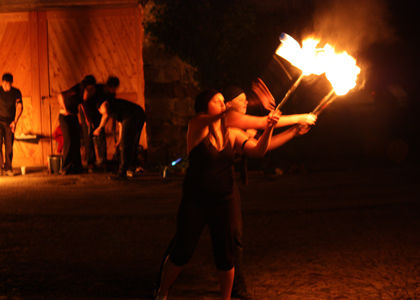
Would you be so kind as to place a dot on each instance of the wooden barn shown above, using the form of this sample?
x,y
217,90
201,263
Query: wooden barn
x,y
50,45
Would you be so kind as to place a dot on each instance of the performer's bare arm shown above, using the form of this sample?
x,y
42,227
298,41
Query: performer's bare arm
x,y
119,134
104,110
19,109
243,121
85,116
252,147
198,128
302,119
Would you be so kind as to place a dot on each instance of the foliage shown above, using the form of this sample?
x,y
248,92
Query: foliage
x,y
211,35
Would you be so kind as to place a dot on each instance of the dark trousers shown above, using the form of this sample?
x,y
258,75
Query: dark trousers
x,y
72,161
130,137
7,137
195,212
237,243
95,146
237,229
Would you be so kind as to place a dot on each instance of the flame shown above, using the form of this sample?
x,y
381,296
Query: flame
x,y
307,58
340,68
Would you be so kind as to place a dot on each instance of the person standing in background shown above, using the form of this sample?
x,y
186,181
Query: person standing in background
x,y
11,108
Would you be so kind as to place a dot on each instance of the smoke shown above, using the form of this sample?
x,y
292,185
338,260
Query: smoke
x,y
352,25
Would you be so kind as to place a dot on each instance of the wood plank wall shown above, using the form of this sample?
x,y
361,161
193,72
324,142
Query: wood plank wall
x,y
51,50
16,58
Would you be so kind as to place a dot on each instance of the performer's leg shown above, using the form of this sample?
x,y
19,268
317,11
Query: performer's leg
x,y
66,142
8,148
2,133
89,140
239,284
190,224
165,257
125,148
75,144
101,148
71,148
226,281
137,127
219,216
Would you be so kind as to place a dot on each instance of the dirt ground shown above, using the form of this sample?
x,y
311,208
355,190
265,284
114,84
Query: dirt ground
x,y
323,235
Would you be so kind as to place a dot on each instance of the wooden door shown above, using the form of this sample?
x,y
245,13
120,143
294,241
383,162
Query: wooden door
x,y
83,41
18,39
50,51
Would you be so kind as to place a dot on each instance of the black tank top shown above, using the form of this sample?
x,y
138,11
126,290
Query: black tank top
x,y
210,171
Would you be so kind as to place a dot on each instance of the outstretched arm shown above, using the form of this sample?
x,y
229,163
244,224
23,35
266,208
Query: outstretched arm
x,y
242,121
303,119
254,148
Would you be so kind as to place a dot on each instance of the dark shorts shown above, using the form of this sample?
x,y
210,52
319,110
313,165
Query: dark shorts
x,y
195,212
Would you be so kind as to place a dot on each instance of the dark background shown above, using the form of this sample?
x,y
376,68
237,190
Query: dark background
x,y
232,42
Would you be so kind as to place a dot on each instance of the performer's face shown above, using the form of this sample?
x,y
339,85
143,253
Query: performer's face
x,y
239,103
216,105
6,85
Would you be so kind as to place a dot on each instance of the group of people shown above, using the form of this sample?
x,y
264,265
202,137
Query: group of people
x,y
96,103
88,103
218,132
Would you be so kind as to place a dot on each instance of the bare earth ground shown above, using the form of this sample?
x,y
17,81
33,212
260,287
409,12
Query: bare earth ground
x,y
326,235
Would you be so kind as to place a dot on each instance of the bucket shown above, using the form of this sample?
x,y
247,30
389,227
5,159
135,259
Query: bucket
x,y
55,164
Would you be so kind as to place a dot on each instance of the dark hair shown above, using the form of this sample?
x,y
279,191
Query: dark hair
x,y
7,77
203,99
88,80
231,92
113,81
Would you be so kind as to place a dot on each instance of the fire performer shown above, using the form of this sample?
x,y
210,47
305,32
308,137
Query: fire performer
x,y
208,189
238,118
235,116
131,118
11,108
236,103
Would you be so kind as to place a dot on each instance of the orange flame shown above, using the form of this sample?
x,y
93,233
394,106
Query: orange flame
x,y
340,68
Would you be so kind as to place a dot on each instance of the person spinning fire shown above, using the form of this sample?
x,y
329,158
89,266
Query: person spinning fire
x,y
209,188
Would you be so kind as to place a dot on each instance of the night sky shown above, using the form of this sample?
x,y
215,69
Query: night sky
x,y
376,124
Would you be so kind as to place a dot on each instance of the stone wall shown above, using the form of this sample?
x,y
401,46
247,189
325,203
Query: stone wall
x,y
170,89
